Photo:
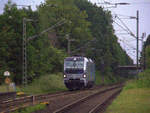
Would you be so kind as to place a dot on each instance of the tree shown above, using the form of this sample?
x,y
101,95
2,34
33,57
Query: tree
x,y
106,48
147,41
148,57
87,24
52,12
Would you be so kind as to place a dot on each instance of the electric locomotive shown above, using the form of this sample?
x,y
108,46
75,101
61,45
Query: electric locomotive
x,y
79,72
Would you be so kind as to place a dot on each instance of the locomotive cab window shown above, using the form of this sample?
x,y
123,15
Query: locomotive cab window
x,y
74,64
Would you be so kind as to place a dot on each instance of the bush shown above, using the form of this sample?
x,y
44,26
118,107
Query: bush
x,y
108,79
98,79
46,84
143,81
31,109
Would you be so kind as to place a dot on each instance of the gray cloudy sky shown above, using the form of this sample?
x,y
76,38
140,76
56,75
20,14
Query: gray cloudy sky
x,y
127,42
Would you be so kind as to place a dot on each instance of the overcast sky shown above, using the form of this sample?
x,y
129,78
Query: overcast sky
x,y
127,42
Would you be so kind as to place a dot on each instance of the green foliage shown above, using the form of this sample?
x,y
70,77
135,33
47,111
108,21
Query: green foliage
x,y
98,79
130,85
46,84
106,51
10,40
31,109
42,57
143,81
148,57
109,79
88,25
145,54
76,24
147,41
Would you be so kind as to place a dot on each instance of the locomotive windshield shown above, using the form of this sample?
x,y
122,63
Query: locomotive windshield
x,y
74,67
74,64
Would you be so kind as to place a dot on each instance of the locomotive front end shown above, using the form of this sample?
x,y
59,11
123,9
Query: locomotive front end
x,y
74,73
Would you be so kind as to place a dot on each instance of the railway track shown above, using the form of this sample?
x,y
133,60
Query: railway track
x,y
14,104
94,103
58,99
7,96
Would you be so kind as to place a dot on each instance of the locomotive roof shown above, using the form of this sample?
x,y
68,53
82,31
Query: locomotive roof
x,y
74,58
78,58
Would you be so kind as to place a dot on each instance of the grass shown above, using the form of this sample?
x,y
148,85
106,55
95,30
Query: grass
x,y
31,109
142,81
135,96
3,88
131,101
45,84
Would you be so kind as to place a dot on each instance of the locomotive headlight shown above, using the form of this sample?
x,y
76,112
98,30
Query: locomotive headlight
x,y
84,76
65,76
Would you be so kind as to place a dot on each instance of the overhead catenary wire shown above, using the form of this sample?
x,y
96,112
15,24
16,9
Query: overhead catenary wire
x,y
121,27
48,29
131,53
128,45
121,15
126,27
133,50
122,33
124,38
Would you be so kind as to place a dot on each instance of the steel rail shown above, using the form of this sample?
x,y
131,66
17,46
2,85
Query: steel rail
x,y
68,107
7,96
101,107
12,105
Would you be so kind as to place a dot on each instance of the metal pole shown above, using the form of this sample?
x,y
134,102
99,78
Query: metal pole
x,y
137,38
24,55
